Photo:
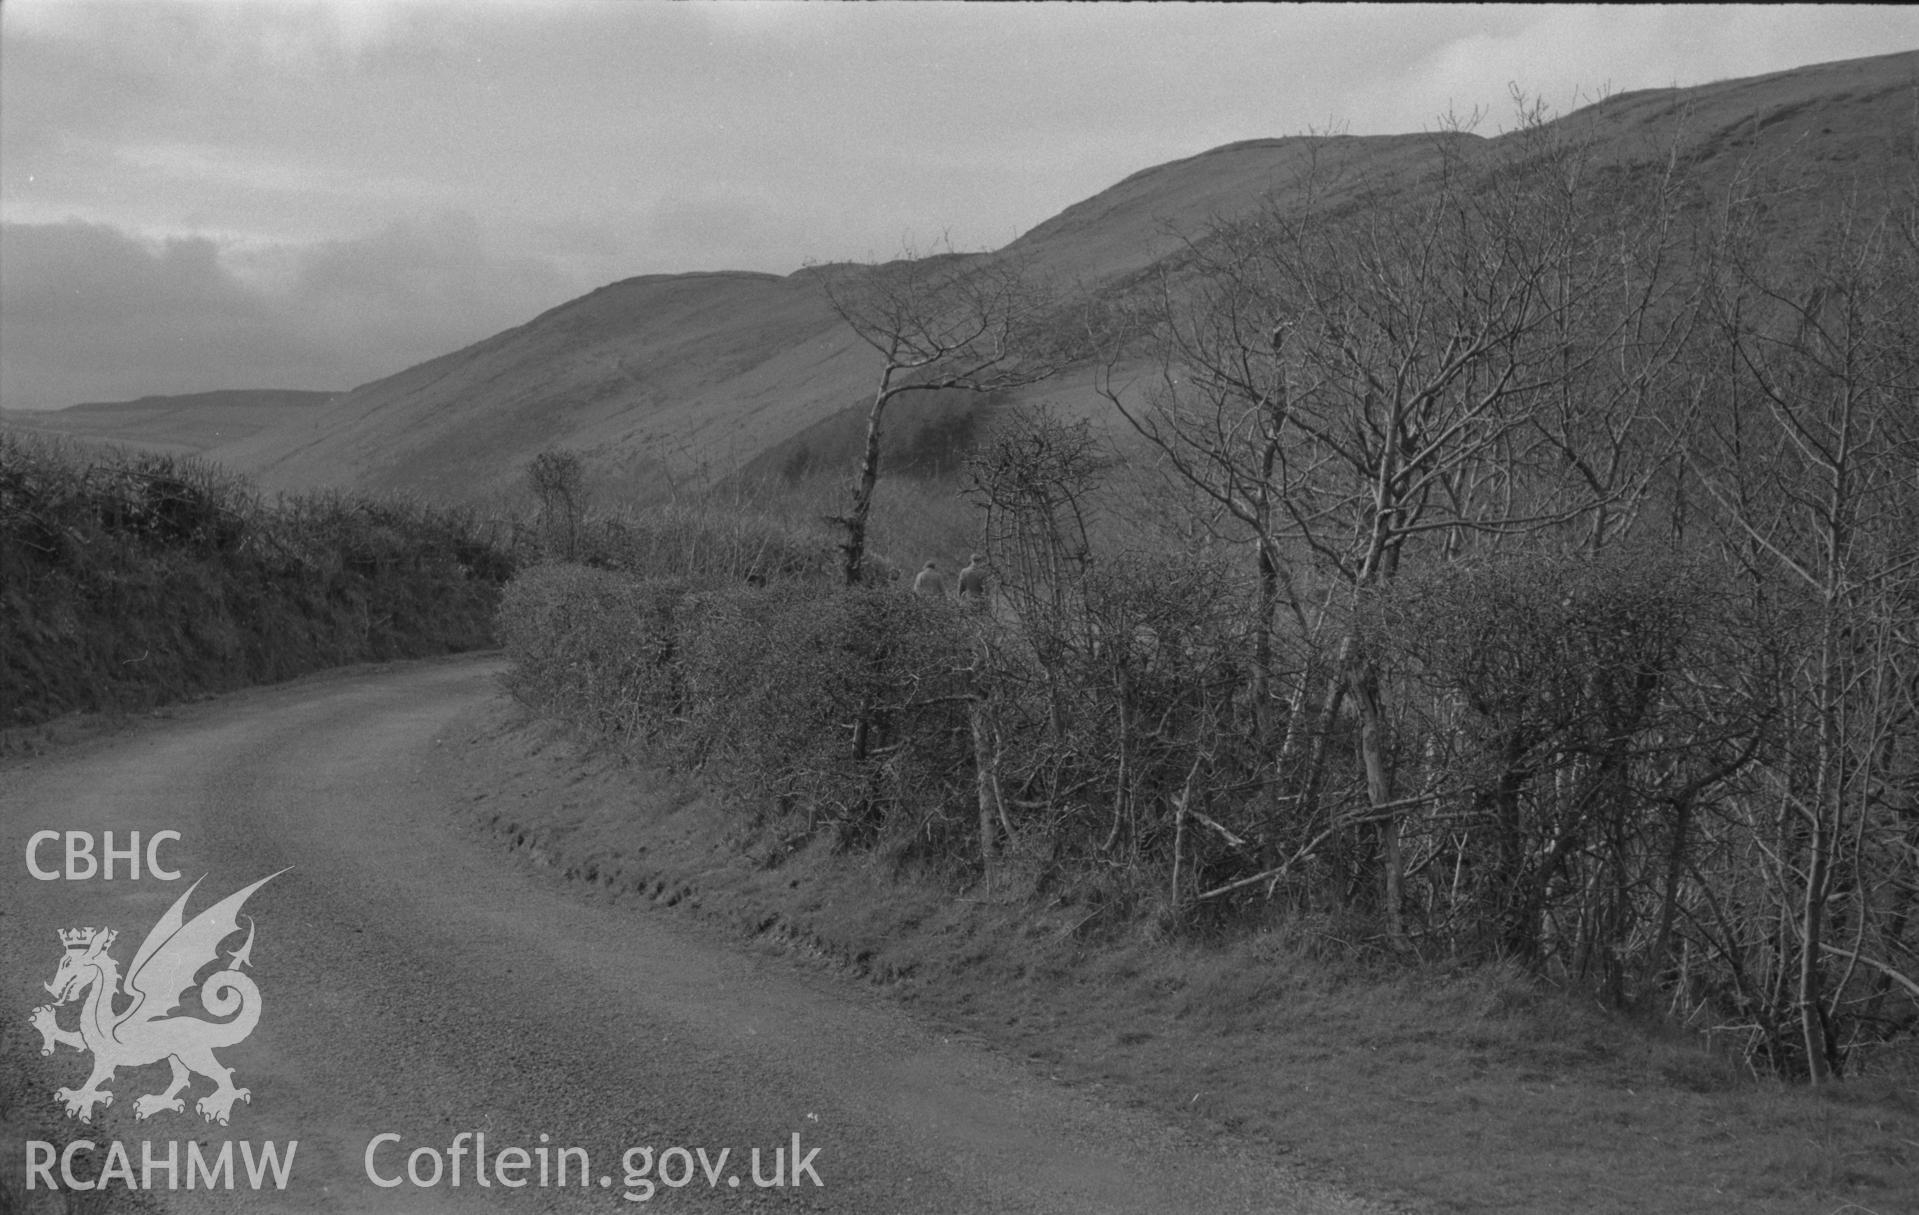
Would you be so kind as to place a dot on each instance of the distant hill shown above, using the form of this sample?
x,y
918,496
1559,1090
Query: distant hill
x,y
669,378
182,425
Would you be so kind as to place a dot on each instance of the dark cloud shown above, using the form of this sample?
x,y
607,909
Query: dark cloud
x,y
88,312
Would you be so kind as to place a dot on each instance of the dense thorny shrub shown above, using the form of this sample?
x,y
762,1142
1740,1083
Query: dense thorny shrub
x,y
596,647
849,703
1122,701
846,706
1559,707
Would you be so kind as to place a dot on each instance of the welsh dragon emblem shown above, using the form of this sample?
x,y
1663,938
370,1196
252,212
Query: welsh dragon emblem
x,y
147,1029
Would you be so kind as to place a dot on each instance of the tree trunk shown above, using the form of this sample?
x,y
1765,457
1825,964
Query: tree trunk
x,y
1379,790
1658,959
854,521
1263,643
992,810
1812,925
1519,920
1826,789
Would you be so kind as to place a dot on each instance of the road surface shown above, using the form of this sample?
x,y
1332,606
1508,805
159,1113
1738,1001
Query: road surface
x,y
418,990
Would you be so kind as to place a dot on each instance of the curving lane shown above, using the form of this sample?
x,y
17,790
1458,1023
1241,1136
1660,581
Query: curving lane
x,y
420,991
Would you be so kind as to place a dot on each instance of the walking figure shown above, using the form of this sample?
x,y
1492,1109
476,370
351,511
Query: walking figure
x,y
929,582
972,583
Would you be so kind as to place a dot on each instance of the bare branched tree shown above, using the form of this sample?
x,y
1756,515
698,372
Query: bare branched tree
x,y
558,479
976,322
1809,454
1345,386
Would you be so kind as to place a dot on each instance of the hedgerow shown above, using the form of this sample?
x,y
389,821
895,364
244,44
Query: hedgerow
x,y
1521,569
845,707
133,580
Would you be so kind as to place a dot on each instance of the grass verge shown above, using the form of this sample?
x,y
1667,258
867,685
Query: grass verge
x,y
1462,1089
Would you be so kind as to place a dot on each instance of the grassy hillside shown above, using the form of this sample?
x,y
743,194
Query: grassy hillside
x,y
673,380
180,425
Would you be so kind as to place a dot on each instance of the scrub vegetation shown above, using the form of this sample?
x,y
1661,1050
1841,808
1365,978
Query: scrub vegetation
x,y
134,580
1512,589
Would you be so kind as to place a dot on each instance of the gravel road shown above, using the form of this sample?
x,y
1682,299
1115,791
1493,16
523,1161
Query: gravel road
x,y
417,983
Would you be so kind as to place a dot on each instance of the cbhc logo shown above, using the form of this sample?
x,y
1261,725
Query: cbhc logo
x,y
82,863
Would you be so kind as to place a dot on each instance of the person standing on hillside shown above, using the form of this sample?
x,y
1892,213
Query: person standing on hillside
x,y
972,583
929,582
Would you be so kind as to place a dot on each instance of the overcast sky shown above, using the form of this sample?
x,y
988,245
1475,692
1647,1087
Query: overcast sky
x,y
256,193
